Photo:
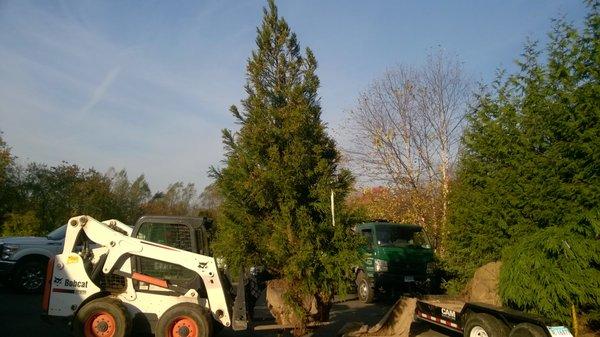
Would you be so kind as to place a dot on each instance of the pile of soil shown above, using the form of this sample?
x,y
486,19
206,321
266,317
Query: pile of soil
x,y
483,287
396,322
284,314
399,321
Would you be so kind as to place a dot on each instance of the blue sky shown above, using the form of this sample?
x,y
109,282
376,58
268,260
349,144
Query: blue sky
x,y
146,85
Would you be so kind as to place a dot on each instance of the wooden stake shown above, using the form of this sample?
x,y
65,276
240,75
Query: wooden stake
x,y
575,323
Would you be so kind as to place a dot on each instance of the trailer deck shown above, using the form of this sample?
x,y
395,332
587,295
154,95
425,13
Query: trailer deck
x,y
454,304
465,317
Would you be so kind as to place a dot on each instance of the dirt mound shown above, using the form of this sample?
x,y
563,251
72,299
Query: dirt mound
x,y
399,321
484,285
396,322
284,314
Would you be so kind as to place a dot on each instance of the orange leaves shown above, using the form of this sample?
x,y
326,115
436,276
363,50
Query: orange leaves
x,y
423,207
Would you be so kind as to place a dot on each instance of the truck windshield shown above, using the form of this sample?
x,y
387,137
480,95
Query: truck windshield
x,y
398,236
58,234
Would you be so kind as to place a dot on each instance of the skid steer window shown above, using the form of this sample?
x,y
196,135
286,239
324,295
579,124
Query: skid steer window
x,y
173,235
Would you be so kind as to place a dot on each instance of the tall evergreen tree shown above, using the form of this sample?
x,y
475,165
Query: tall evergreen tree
x,y
528,188
281,167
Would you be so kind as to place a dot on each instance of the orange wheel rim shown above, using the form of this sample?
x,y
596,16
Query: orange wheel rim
x,y
183,326
100,324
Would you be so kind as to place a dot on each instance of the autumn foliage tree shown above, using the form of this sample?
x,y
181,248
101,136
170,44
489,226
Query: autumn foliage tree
x,y
392,204
9,193
44,197
405,132
177,199
37,198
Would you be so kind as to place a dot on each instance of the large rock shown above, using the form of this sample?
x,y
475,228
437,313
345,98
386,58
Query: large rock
x,y
284,314
484,285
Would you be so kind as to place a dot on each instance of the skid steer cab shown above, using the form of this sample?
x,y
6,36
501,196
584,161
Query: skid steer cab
x,y
156,277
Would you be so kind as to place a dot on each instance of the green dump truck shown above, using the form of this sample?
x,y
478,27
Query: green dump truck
x,y
396,257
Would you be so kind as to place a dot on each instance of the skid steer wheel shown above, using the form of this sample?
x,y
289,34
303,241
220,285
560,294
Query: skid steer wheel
x,y
527,330
366,293
217,326
185,320
102,317
484,325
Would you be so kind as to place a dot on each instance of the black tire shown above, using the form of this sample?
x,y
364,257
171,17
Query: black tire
x,y
364,288
102,317
217,326
29,276
181,319
527,330
484,325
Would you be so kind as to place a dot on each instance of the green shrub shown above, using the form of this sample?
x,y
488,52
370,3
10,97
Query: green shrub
x,y
548,271
23,224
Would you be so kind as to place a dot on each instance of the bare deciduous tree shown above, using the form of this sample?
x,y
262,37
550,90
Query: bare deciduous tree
x,y
406,130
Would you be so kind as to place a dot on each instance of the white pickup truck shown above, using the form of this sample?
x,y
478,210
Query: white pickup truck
x,y
23,260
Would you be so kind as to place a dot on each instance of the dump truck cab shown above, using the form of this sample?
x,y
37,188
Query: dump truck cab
x,y
396,256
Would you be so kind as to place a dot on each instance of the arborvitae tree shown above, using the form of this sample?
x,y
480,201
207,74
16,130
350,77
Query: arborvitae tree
x,y
528,188
280,170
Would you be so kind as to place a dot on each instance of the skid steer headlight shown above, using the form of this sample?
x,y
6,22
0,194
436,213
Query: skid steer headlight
x,y
8,251
381,265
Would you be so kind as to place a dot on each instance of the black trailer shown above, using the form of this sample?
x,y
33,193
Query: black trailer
x,y
483,320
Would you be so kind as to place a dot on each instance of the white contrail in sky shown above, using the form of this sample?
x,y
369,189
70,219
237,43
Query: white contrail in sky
x,y
101,89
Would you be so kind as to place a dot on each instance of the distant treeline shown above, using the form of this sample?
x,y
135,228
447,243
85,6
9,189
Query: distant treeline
x,y
36,198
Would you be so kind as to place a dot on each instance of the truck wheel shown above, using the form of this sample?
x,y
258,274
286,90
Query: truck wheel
x,y
366,293
185,320
527,330
102,317
29,276
484,325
